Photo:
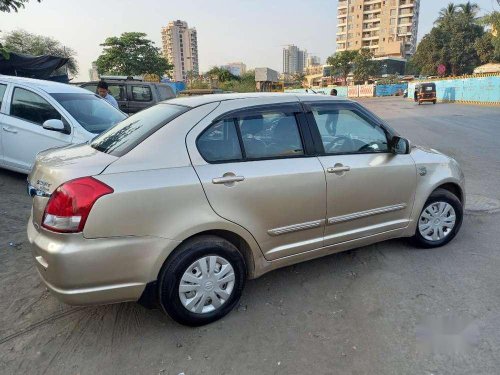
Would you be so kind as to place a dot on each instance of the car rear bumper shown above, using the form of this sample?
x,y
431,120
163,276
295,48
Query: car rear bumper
x,y
81,271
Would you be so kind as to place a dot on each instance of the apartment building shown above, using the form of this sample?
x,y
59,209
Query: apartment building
x,y
235,68
386,27
180,47
294,60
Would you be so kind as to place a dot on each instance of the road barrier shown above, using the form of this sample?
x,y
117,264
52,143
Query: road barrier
x,y
481,89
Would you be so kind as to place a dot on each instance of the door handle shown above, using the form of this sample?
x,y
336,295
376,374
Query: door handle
x,y
227,180
339,169
9,130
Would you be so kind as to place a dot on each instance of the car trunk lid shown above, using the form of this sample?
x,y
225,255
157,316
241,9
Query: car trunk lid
x,y
55,166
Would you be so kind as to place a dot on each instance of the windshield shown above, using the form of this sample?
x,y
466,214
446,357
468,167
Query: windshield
x,y
93,113
125,136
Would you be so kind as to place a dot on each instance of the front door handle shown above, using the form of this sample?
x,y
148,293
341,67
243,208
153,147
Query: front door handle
x,y
228,179
339,168
9,130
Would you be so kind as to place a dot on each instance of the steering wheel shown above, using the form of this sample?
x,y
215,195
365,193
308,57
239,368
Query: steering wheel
x,y
368,147
341,142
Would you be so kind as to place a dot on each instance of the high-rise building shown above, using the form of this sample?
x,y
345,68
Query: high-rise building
x,y
386,27
235,68
180,47
294,60
93,73
313,61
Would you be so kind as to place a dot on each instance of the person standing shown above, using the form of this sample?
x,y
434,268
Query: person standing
x,y
103,91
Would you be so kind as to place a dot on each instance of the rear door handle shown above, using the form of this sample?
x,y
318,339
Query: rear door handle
x,y
9,130
227,180
339,169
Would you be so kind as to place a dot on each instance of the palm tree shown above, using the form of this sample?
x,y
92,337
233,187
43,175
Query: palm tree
x,y
469,10
446,13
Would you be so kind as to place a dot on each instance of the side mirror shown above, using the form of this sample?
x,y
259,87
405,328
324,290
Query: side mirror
x,y
54,124
400,145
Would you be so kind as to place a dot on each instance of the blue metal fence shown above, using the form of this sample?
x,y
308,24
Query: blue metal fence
x,y
390,90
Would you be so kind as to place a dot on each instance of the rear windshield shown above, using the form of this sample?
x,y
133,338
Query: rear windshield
x,y
126,135
94,114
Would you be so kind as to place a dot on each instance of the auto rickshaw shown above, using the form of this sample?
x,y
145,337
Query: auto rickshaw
x,y
425,92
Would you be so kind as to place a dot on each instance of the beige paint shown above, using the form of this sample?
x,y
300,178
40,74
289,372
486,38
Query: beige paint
x,y
285,211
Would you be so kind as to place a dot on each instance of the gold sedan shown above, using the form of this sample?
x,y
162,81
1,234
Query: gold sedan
x,y
179,204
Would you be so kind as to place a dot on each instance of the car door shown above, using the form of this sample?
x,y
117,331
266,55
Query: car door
x,y
119,92
370,190
3,89
140,97
256,172
22,133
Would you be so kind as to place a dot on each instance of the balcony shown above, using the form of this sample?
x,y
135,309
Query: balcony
x,y
371,17
342,4
406,3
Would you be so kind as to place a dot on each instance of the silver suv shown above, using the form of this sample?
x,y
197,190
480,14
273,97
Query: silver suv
x,y
181,203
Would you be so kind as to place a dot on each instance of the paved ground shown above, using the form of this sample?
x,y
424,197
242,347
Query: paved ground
x,y
357,312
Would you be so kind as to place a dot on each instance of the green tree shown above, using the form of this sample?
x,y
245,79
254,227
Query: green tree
x,y
131,54
451,43
15,5
485,49
469,10
221,75
246,83
342,63
364,66
446,14
20,41
492,21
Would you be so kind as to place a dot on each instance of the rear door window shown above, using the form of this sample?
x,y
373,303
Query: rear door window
x,y
141,93
32,107
117,91
254,135
220,142
270,134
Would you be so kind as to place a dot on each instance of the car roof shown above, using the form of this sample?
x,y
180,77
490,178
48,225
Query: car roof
x,y
47,86
195,101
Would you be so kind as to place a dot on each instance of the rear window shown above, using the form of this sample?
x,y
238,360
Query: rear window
x,y
165,92
129,133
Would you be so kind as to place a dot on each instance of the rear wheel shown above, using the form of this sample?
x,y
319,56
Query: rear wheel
x,y
434,101
202,281
440,219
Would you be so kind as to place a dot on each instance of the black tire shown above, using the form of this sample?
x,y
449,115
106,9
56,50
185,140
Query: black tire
x,y
434,102
178,263
441,195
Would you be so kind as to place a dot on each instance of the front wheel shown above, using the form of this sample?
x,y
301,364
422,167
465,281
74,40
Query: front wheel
x,y
202,282
440,219
434,101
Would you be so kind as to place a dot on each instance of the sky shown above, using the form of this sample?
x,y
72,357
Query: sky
x,y
251,31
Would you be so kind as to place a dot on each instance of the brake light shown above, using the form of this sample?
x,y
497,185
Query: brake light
x,y
69,205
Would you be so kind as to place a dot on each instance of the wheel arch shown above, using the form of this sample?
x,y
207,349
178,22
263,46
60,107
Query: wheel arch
x,y
453,188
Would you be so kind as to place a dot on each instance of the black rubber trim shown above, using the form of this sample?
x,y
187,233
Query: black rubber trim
x,y
149,298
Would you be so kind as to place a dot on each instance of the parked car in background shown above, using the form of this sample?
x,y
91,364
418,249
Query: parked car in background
x,y
134,95
184,201
36,115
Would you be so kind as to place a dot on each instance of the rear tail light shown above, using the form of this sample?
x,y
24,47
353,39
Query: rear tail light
x,y
69,205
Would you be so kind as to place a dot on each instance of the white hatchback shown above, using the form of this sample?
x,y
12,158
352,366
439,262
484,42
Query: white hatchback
x,y
37,115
